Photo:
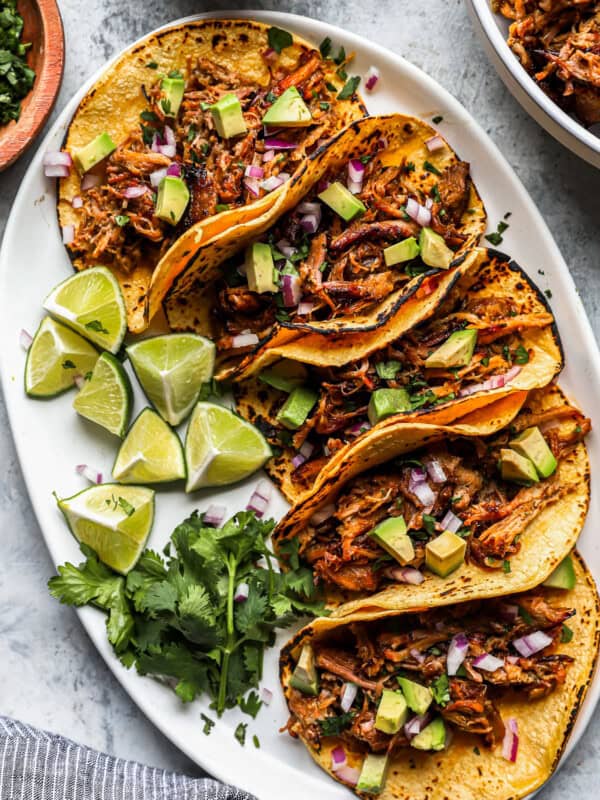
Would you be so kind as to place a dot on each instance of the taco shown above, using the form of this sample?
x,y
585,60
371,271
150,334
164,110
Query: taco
x,y
493,333
473,701
416,511
387,205
227,110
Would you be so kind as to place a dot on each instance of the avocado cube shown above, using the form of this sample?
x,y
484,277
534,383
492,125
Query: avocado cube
x,y
92,153
386,402
297,407
391,535
392,712
260,268
228,117
517,468
285,376
532,445
172,90
304,677
172,199
401,251
432,737
445,553
342,201
456,351
373,774
563,576
418,698
434,250
288,111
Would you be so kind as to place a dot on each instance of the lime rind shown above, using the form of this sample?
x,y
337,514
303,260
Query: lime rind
x,y
91,302
107,397
150,453
56,355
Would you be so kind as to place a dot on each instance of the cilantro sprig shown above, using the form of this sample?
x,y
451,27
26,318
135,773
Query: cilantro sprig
x,y
175,616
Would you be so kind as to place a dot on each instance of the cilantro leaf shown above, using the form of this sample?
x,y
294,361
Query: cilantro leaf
x,y
440,690
349,88
251,704
333,726
279,39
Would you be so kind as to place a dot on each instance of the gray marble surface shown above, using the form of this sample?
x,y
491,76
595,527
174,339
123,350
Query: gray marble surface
x,y
50,674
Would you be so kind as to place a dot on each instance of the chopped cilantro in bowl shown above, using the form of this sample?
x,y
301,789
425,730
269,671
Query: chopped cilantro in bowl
x,y
16,78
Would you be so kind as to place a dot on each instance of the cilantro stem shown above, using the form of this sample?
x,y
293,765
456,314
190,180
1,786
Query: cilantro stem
x,y
230,643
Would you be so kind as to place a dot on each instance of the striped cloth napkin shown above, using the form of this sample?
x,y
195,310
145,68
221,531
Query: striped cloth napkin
x,y
44,766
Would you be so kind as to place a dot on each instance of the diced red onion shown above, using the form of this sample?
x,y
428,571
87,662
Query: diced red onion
x,y
68,233
307,449
285,176
512,659
270,54
89,473
420,214
421,490
358,428
451,522
79,381
304,308
272,143
174,169
268,155
509,611
244,340
157,176
89,180
510,743
77,201
252,171
241,593
252,185
25,339
272,183
429,203
435,143
168,150
348,696
57,158
348,775
261,497
370,78
324,513
532,643
416,725
488,663
322,185
214,515
435,471
266,695
156,143
356,170
418,475
417,655
298,460
457,652
308,207
291,290
285,248
169,135
310,222
338,758
354,187
270,131
131,192
495,382
56,171
405,575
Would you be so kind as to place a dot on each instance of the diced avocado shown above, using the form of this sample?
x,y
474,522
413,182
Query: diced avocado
x,y
432,737
228,117
457,351
172,199
342,201
532,445
391,535
563,576
286,375
172,90
92,153
373,774
418,697
304,677
405,250
386,402
392,712
288,111
434,251
517,468
445,553
297,407
260,268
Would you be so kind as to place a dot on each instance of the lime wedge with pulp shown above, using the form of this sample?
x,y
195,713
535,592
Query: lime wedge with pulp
x,y
221,448
150,453
91,302
171,370
55,357
113,520
106,397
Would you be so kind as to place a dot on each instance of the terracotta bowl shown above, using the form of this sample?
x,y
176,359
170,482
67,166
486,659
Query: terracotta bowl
x,y
43,28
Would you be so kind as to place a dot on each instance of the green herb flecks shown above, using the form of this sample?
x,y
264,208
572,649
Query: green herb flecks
x,y
209,724
16,78
279,39
566,634
325,47
431,168
240,733
496,237
349,88
96,325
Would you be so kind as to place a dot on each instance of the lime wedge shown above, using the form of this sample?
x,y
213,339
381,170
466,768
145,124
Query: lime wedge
x,y
221,448
150,453
106,397
91,303
171,370
56,356
113,520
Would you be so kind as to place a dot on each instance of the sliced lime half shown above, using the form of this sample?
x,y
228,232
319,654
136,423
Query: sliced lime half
x,y
106,397
151,452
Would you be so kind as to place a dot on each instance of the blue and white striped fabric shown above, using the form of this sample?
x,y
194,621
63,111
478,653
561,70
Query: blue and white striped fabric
x,y
35,765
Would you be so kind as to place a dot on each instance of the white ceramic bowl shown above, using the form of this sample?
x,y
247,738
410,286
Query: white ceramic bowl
x,y
562,126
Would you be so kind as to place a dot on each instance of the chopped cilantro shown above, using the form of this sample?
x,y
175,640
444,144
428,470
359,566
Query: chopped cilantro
x,y
429,524
548,293
152,65
16,77
325,47
147,134
521,355
208,724
205,148
68,364
341,73
122,220
166,106
437,119
431,168
148,116
477,751
525,615
436,193
191,134
566,634
333,726
496,237
256,742
440,690
341,56
175,73
387,370
222,207
349,88
506,566
324,106
251,704
331,86
95,325
279,39
485,361
270,97
240,733
409,166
